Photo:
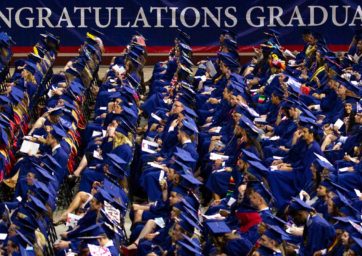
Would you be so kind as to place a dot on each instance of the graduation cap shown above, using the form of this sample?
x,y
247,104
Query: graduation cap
x,y
134,80
357,246
331,186
72,71
331,62
102,195
230,44
185,48
138,49
184,155
94,33
188,247
345,205
189,128
55,111
228,32
183,37
34,58
278,92
218,227
58,133
52,160
189,180
187,223
353,88
45,175
246,154
179,190
308,123
299,205
190,111
52,39
276,233
229,60
260,188
20,240
116,159
184,60
128,111
92,232
41,191
36,205
349,225
249,126
16,94
324,163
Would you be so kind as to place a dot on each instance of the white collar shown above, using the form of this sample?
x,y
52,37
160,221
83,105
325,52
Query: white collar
x,y
187,141
109,243
264,209
55,148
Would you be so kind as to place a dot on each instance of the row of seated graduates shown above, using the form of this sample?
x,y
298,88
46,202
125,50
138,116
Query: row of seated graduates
x,y
27,219
18,92
109,150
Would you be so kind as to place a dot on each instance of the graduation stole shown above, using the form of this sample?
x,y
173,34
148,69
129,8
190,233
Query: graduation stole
x,y
317,72
310,50
231,186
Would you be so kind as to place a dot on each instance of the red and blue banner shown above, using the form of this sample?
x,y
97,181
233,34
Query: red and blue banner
x,y
158,21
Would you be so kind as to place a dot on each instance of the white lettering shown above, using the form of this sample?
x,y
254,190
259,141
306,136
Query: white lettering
x,y
65,17
296,16
232,17
173,19
44,18
275,17
159,15
97,18
183,17
119,19
312,9
359,13
260,19
82,15
141,16
18,15
7,20
209,14
334,15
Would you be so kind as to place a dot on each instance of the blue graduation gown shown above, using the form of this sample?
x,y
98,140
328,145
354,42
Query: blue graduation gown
x,y
318,234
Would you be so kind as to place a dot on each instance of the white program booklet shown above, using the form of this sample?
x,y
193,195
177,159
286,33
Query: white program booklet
x,y
29,147
149,146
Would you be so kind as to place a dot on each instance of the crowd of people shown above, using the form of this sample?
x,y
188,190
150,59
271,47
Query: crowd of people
x,y
213,158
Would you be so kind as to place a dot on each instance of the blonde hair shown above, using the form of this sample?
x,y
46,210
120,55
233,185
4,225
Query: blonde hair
x,y
120,139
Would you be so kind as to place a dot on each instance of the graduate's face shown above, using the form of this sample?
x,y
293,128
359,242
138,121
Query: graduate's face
x,y
345,238
255,199
177,108
233,100
95,205
174,198
10,247
348,108
266,241
341,90
306,134
223,68
358,118
30,178
177,233
300,218
321,191
359,45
